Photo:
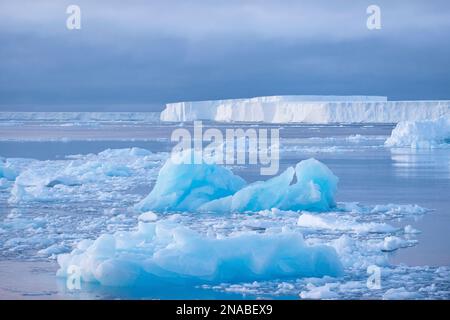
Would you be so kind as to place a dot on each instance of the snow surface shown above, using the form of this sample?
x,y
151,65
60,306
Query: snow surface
x,y
421,134
213,188
306,109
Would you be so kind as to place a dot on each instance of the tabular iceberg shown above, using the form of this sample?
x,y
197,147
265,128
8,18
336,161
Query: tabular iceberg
x,y
212,188
421,134
306,109
162,250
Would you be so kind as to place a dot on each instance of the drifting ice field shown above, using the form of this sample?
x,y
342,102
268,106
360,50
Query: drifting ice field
x,y
82,195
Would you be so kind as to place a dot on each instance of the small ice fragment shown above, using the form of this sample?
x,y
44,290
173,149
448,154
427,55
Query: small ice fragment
x,y
400,294
393,243
410,230
148,216
320,292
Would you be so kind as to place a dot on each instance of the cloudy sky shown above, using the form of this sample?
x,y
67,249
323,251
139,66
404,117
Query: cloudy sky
x,y
138,55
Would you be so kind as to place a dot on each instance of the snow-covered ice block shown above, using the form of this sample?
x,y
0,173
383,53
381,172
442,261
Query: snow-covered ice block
x,y
421,134
306,109
213,188
163,250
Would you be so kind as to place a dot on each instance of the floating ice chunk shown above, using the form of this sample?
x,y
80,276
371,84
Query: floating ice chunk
x,y
320,292
148,216
7,172
256,196
163,250
187,186
4,183
393,243
57,179
405,209
421,134
64,180
410,230
212,188
113,170
336,223
315,188
53,250
400,294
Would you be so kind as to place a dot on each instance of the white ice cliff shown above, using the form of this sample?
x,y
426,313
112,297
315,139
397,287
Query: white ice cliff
x,y
306,109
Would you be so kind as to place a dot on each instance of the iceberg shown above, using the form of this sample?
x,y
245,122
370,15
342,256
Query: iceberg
x,y
306,109
421,134
187,186
212,188
163,251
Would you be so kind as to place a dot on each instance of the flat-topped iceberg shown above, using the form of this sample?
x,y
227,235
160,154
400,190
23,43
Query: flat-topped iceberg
x,y
212,188
165,251
421,134
306,109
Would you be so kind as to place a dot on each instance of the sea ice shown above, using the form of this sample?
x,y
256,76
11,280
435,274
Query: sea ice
x,y
321,292
165,250
400,294
82,175
421,134
212,188
338,222
393,243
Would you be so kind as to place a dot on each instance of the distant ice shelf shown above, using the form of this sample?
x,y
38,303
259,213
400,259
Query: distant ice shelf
x,y
80,117
306,109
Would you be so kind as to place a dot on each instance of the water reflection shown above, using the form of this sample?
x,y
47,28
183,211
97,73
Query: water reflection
x,y
409,162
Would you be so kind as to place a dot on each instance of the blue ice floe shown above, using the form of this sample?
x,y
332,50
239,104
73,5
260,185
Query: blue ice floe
x,y
166,251
7,172
212,188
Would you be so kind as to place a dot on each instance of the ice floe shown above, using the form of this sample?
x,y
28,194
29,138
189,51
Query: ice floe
x,y
164,250
421,134
77,176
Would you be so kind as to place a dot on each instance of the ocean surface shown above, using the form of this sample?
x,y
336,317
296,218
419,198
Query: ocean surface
x,y
369,174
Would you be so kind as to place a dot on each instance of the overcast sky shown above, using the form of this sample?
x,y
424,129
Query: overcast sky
x,y
138,55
